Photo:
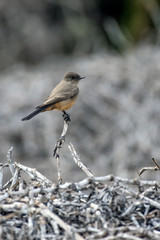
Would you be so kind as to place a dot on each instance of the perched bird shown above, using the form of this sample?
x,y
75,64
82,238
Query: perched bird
x,y
62,97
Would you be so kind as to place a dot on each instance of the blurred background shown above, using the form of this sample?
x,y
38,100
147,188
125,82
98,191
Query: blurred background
x,y
115,124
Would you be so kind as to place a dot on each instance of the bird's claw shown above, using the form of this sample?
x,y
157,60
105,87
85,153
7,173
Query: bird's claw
x,y
66,117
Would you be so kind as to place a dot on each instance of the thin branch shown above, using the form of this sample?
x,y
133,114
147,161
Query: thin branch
x,y
15,179
33,174
78,161
59,143
1,177
156,168
155,162
10,162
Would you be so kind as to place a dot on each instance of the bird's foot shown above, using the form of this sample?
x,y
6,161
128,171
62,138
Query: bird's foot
x,y
66,117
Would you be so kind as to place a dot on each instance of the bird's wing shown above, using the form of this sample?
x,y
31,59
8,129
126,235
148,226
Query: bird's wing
x,y
59,94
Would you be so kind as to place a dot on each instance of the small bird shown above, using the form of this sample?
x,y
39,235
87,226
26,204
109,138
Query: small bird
x,y
62,97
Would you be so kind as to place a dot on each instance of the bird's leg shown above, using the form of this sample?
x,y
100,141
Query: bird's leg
x,y
66,117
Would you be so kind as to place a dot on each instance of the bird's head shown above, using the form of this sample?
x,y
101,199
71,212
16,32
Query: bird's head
x,y
72,77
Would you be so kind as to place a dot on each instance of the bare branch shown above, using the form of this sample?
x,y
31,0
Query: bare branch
x,y
59,143
106,207
156,168
78,161
9,160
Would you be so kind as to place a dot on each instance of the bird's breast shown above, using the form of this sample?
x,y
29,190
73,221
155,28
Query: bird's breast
x,y
66,104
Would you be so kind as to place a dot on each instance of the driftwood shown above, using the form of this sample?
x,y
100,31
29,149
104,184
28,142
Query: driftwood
x,y
106,207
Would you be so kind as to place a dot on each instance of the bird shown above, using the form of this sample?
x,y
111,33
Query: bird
x,y
62,97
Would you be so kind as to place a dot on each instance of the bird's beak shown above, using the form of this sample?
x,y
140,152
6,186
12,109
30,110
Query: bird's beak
x,y
81,77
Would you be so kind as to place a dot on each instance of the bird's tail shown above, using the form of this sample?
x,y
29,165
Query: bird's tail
x,y
31,115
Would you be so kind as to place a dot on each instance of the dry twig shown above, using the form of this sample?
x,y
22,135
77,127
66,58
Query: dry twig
x,y
59,143
10,161
156,168
78,161
104,207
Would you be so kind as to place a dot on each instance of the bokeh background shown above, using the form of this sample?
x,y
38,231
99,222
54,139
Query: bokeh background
x,y
115,124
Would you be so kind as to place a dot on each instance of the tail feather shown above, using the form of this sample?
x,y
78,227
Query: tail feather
x,y
31,115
